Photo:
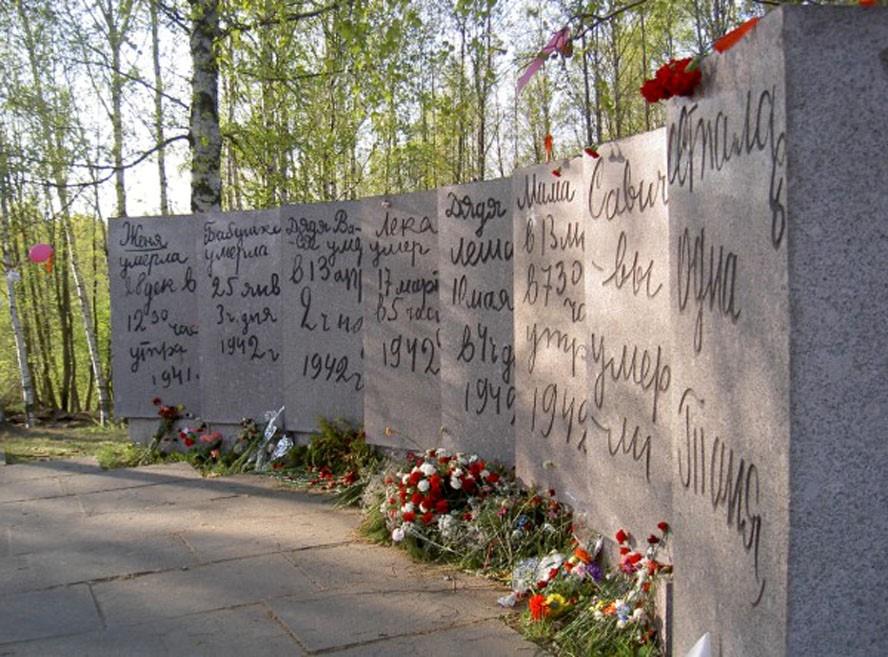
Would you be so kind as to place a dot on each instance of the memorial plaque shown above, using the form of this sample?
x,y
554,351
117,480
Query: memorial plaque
x,y
402,398
629,355
477,359
549,219
154,323
730,363
240,308
322,316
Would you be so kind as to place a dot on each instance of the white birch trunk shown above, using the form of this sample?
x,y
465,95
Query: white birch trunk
x,y
86,314
21,347
206,141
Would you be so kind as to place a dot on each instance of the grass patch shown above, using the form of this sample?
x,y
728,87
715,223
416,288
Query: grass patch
x,y
44,443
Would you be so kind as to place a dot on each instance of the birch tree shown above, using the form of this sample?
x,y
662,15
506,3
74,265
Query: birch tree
x,y
11,277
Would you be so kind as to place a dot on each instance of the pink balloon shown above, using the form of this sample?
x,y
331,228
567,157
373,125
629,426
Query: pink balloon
x,y
40,252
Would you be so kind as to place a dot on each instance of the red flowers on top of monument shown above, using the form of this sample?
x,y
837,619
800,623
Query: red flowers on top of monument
x,y
733,37
677,77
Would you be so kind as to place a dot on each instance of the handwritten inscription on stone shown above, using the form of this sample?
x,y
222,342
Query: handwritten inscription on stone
x,y
550,328
402,342
153,272
477,358
322,313
240,304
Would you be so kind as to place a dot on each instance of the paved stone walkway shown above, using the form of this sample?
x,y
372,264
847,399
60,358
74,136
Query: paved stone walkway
x,y
157,562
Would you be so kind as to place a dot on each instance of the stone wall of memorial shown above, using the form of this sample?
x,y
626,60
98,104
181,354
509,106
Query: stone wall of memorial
x,y
690,327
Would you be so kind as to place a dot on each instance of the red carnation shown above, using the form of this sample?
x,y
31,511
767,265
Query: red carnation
x,y
492,478
621,536
409,516
441,506
427,518
591,152
414,478
156,401
653,540
663,526
653,91
416,498
188,441
468,484
556,172
634,558
677,77
537,606
624,550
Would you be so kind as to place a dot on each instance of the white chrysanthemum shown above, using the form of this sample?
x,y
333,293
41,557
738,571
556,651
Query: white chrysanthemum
x,y
423,485
407,507
484,474
446,525
455,483
638,615
443,453
405,478
427,469
398,534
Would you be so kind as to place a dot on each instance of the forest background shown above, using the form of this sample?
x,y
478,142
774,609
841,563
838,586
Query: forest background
x,y
112,108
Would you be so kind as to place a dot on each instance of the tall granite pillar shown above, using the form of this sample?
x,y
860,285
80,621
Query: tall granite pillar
x,y
778,198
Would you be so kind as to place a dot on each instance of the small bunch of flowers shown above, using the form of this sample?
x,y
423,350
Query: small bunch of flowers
x,y
325,479
168,413
677,77
436,484
600,612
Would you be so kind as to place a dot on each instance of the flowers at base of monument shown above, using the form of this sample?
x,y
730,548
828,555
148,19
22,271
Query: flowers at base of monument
x,y
677,77
602,611
437,484
166,412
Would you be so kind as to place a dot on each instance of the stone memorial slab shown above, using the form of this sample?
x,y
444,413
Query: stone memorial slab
x,y
153,272
240,306
629,350
552,410
777,215
477,358
322,313
402,346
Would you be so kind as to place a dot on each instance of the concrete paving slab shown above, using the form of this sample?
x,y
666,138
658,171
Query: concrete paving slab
x,y
44,614
106,480
363,567
30,489
234,566
102,559
41,469
245,631
241,536
489,638
339,621
175,495
203,588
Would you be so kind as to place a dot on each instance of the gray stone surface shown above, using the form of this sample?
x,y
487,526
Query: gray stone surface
x,y
153,272
477,357
836,145
629,352
780,397
237,566
240,310
402,405
485,638
197,635
346,620
37,614
322,313
551,434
